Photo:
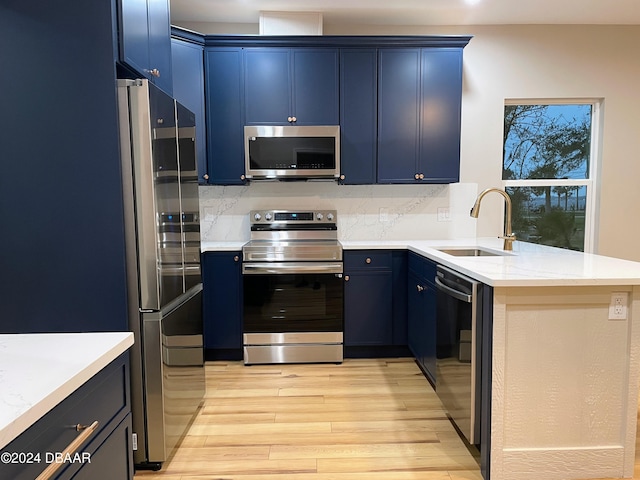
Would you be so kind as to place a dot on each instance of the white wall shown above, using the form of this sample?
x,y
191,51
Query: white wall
x,y
527,61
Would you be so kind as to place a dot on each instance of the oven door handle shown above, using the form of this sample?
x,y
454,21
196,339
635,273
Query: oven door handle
x,y
265,268
453,292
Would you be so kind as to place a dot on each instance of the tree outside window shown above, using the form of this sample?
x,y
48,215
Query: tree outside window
x,y
547,171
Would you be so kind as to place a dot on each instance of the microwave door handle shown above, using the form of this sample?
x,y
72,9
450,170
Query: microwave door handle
x,y
453,292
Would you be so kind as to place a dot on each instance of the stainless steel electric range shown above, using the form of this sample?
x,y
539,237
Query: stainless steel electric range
x,y
293,288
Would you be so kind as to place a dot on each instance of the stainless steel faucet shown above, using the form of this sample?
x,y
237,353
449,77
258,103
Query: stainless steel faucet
x,y
509,237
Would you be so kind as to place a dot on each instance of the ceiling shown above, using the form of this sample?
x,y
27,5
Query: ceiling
x,y
417,12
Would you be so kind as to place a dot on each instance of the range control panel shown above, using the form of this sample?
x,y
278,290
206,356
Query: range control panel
x,y
292,217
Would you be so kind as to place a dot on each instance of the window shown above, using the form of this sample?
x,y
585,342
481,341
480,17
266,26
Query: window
x,y
548,170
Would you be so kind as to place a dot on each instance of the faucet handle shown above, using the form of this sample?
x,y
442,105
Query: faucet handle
x,y
508,241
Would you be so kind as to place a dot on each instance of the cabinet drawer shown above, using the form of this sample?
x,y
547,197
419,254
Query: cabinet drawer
x,y
111,456
368,259
421,267
103,398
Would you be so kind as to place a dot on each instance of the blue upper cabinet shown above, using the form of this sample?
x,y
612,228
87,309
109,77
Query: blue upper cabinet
x,y
188,89
397,101
145,40
358,120
297,86
225,116
419,98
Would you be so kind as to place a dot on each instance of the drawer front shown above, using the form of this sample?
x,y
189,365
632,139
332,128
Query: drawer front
x,y
368,260
111,456
421,267
104,398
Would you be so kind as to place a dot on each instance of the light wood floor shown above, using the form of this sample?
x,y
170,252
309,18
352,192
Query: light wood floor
x,y
363,420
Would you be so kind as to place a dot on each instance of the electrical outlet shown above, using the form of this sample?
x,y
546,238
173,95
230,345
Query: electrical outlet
x,y
444,215
618,306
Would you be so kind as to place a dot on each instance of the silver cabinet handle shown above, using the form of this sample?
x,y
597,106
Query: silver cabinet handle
x,y
236,258
346,278
368,260
206,176
155,72
85,433
417,176
420,288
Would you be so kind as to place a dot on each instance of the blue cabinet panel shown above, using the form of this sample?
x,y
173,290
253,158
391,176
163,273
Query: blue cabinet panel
x,y
441,100
222,303
315,86
145,40
187,64
267,74
422,300
104,398
160,43
419,99
63,265
134,34
224,113
398,115
291,86
358,115
368,308
400,311
375,303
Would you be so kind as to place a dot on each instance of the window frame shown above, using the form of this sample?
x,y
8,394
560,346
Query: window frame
x,y
592,183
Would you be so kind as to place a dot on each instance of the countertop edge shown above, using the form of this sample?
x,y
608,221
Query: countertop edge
x,y
539,266
22,423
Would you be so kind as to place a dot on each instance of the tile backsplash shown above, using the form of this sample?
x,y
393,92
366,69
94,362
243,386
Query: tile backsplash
x,y
365,212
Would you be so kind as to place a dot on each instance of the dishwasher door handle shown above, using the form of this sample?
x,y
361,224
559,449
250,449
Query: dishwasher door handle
x,y
453,292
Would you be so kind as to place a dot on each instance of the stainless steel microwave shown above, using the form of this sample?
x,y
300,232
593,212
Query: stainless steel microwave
x,y
292,152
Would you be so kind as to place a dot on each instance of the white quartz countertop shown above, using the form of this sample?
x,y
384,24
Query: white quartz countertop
x,y
39,370
528,264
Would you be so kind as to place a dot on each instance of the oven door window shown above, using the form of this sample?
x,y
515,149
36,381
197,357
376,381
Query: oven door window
x,y
280,303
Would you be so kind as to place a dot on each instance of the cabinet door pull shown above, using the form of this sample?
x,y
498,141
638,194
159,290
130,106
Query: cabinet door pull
x,y
368,260
236,258
417,176
85,433
420,288
346,278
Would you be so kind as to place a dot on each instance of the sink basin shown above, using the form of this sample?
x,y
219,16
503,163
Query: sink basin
x,y
471,252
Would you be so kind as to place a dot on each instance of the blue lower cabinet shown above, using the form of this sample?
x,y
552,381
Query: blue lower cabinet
x,y
368,308
222,305
375,303
421,305
107,453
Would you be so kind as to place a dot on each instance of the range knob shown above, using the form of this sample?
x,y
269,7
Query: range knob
x,y
267,216
257,217
330,216
319,216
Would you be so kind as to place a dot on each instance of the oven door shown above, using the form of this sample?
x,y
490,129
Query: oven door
x,y
293,312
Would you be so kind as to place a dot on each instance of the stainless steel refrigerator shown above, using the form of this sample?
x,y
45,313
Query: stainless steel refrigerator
x,y
162,231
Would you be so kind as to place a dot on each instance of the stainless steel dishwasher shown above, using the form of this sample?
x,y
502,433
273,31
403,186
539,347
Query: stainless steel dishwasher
x,y
458,349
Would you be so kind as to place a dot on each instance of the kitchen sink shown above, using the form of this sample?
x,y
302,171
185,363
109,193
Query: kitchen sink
x,y
471,252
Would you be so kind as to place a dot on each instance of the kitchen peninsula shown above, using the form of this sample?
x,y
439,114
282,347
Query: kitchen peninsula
x,y
50,383
564,376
